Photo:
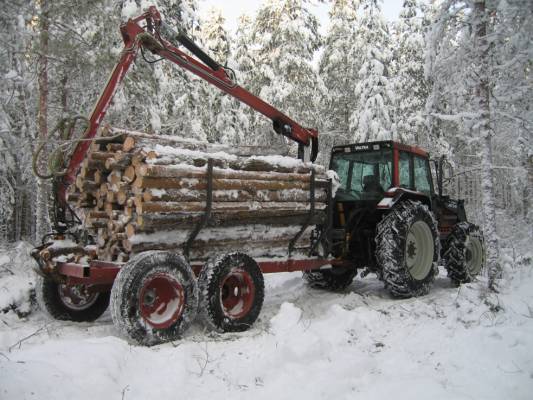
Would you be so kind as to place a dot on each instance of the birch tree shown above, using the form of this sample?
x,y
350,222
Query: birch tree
x,y
478,60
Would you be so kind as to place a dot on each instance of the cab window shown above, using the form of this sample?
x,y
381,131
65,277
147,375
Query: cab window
x,y
422,175
405,170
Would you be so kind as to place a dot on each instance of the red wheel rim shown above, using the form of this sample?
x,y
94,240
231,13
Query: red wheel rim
x,y
162,300
237,292
78,297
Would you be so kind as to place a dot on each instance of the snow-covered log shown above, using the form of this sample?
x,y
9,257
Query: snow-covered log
x,y
134,184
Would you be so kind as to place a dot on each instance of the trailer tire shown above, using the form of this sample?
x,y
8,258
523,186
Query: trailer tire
x,y
154,298
69,303
232,291
408,249
335,279
464,253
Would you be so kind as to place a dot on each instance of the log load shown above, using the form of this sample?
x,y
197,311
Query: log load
x,y
136,191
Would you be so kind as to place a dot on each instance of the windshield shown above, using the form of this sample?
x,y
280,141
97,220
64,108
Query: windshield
x,y
363,175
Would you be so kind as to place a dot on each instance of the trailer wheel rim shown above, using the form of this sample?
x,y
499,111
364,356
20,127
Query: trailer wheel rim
x,y
419,250
237,293
77,297
474,255
162,300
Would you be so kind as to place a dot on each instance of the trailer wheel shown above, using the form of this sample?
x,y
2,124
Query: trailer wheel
x,y
335,279
154,297
231,292
70,303
407,249
464,253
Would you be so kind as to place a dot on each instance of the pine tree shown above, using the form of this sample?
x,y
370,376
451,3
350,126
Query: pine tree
x,y
217,112
243,63
372,117
410,85
338,69
286,36
162,96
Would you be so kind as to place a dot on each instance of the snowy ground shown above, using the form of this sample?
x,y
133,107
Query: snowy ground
x,y
308,344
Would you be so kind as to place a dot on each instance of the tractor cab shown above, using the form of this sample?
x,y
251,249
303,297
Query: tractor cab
x,y
368,172
374,177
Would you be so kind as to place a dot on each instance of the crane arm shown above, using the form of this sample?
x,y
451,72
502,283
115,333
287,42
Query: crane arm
x,y
148,31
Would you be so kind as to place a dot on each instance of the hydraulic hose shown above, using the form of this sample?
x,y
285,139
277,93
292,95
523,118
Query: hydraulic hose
x,y
56,160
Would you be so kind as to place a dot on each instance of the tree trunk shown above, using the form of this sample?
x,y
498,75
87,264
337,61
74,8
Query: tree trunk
x,y
42,221
482,97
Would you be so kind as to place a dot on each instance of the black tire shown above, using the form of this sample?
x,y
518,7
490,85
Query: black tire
x,y
401,233
464,253
335,279
154,298
70,303
234,273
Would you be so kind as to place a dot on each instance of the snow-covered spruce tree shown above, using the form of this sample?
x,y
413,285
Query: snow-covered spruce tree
x,y
161,96
243,63
372,117
17,122
216,111
410,86
479,62
286,38
337,68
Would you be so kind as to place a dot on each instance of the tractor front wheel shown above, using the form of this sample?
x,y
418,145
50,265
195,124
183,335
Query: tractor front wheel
x,y
334,279
407,249
464,253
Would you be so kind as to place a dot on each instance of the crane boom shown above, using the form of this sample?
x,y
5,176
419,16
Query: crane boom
x,y
148,31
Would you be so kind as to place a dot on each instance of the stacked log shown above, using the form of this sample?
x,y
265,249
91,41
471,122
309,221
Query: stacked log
x,y
140,192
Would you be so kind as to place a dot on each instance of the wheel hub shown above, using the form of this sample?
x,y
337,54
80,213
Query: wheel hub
x,y
473,255
162,300
77,297
419,250
237,292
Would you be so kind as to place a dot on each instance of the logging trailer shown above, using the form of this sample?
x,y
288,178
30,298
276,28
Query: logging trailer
x,y
382,215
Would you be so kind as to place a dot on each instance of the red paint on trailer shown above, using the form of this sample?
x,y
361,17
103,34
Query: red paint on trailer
x,y
104,273
96,273
268,267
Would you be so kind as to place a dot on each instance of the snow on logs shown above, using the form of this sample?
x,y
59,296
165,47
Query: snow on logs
x,y
140,192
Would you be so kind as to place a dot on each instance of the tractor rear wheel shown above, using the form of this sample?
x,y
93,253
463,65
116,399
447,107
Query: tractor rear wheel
x,y
407,249
70,303
464,253
154,297
231,292
334,279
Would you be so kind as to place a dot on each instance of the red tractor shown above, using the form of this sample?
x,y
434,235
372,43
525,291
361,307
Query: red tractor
x,y
389,220
384,218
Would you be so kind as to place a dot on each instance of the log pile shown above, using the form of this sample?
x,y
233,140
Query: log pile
x,y
140,192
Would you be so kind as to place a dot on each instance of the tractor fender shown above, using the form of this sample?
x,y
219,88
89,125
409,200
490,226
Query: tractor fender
x,y
397,194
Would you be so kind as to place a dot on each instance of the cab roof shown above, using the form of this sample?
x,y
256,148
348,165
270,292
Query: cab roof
x,y
373,146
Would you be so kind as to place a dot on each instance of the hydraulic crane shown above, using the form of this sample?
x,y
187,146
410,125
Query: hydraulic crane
x,y
148,31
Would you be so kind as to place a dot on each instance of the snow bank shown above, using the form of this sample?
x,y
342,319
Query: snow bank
x,y
17,280
452,344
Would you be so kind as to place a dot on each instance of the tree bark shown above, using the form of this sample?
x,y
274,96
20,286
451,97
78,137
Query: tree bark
x,y
42,221
482,97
